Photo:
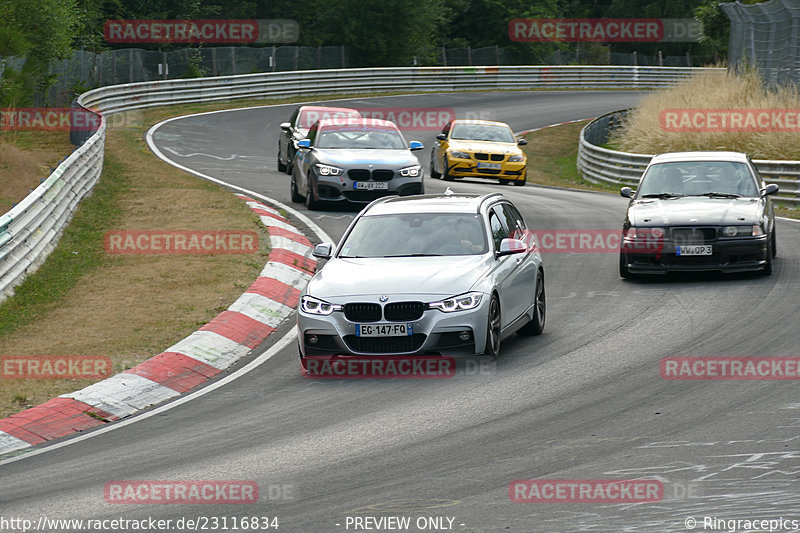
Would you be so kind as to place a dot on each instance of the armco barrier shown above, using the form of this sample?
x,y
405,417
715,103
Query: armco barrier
x,y
600,164
31,229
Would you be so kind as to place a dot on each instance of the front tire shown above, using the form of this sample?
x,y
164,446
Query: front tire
x,y
767,270
446,176
281,165
536,326
493,329
434,174
624,271
295,194
774,243
311,203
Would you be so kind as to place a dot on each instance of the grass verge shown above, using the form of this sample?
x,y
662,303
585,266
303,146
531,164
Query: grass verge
x,y
552,154
83,301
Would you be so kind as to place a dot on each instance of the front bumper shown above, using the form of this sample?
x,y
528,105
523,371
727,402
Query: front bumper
x,y
343,189
469,168
744,254
434,333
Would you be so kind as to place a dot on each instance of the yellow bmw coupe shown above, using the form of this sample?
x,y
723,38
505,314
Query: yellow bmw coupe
x,y
478,149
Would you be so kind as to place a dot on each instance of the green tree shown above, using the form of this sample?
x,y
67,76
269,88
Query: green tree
x,y
386,33
48,26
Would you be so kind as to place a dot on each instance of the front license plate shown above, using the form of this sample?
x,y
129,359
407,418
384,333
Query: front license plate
x,y
698,249
384,330
493,166
370,186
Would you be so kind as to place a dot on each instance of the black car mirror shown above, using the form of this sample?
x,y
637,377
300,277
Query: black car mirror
x,y
626,192
286,126
522,142
322,250
442,136
770,189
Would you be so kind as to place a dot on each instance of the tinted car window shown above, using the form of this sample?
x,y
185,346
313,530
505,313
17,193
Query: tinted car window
x,y
416,234
363,138
697,178
482,132
498,228
513,221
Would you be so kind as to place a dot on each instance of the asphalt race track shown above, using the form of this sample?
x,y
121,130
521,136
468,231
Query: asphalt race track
x,y
583,401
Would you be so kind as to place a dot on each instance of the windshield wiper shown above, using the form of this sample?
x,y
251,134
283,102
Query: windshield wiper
x,y
719,194
664,195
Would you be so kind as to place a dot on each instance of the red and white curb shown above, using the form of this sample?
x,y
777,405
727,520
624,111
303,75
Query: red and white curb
x,y
197,358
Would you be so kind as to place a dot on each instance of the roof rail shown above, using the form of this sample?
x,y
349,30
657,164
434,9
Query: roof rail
x,y
486,197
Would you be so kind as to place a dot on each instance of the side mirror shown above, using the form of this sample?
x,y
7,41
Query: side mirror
x,y
442,136
322,250
415,145
510,247
626,192
770,189
522,142
304,143
286,126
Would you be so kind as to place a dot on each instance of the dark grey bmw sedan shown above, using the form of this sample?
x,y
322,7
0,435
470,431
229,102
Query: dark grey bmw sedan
x,y
696,211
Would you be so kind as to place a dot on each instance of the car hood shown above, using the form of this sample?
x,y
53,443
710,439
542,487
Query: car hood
x,y
435,277
379,158
484,146
693,210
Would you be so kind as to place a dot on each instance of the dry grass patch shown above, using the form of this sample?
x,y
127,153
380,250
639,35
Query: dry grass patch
x,y
131,307
552,157
26,158
643,133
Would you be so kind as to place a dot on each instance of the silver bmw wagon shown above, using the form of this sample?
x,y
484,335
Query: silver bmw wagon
x,y
450,274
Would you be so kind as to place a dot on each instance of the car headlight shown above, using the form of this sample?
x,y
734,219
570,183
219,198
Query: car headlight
x,y
327,170
516,158
315,306
410,172
634,233
742,231
459,155
462,302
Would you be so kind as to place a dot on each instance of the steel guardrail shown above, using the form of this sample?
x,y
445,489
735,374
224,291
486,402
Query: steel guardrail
x,y
599,164
30,230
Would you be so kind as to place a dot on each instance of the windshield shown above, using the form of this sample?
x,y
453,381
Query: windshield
x,y
482,132
698,178
416,234
361,138
309,116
